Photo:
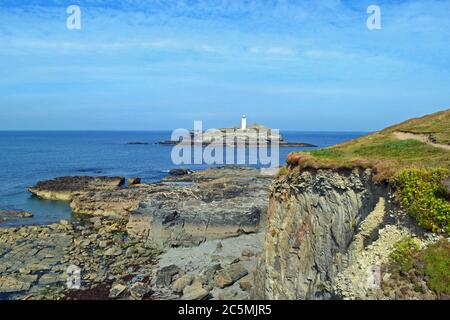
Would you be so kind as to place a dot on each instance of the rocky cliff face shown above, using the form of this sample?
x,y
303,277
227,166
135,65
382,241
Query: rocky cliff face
x,y
314,220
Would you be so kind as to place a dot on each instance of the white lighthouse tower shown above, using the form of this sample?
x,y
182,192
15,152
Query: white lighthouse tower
x,y
244,122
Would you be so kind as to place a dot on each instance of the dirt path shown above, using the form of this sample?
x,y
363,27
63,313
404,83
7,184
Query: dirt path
x,y
420,137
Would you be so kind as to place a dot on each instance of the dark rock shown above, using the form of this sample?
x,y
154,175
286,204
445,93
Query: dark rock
x,y
138,143
164,276
180,172
15,213
133,181
65,188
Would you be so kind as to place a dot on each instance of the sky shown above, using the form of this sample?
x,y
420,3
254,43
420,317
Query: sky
x,y
158,65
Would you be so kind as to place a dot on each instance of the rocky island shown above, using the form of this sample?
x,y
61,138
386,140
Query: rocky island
x,y
246,136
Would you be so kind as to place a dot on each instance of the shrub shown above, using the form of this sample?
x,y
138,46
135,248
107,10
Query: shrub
x,y
423,195
404,251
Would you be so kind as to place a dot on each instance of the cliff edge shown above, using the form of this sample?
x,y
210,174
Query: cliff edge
x,y
367,219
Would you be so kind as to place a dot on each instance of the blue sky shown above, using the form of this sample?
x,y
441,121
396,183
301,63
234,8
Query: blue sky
x,y
300,65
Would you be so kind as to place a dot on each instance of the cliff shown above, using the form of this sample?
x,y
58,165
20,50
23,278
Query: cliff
x,y
335,217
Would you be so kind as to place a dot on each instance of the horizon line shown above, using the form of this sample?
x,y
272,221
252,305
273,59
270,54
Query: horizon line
x,y
166,130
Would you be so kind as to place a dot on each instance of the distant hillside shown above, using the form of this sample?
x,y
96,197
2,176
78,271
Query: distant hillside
x,y
436,125
417,143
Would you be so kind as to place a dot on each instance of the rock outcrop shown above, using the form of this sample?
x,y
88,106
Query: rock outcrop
x,y
312,221
220,203
65,188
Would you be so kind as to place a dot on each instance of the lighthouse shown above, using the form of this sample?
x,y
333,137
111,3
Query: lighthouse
x,y
244,122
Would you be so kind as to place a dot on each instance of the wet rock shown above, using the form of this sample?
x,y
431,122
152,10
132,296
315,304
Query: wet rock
x,y
65,188
180,172
15,214
133,181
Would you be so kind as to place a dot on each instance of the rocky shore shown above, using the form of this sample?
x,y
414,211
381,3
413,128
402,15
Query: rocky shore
x,y
195,235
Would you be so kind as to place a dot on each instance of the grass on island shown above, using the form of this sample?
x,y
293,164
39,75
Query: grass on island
x,y
415,168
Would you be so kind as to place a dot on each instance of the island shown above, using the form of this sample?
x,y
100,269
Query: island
x,y
254,135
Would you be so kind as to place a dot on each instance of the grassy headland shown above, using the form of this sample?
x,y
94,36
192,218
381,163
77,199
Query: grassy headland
x,y
417,166
384,151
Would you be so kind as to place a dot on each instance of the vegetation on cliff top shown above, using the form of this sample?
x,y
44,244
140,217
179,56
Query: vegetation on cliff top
x,y
423,195
436,125
416,168
383,151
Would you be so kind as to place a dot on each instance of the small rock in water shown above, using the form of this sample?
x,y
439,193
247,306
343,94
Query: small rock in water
x,y
16,213
180,172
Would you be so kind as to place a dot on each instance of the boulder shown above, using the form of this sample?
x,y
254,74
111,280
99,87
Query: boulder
x,y
133,181
230,275
65,188
117,290
164,276
246,283
181,283
180,172
195,292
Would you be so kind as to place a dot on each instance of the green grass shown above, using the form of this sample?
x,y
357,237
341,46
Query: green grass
x,y
382,151
435,264
437,125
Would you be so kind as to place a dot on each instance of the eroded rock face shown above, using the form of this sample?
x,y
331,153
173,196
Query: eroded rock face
x,y
313,218
65,188
221,203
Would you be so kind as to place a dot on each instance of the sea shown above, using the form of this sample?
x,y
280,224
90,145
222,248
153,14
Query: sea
x,y
28,157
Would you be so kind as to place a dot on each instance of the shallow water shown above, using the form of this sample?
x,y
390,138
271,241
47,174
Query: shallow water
x,y
28,157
